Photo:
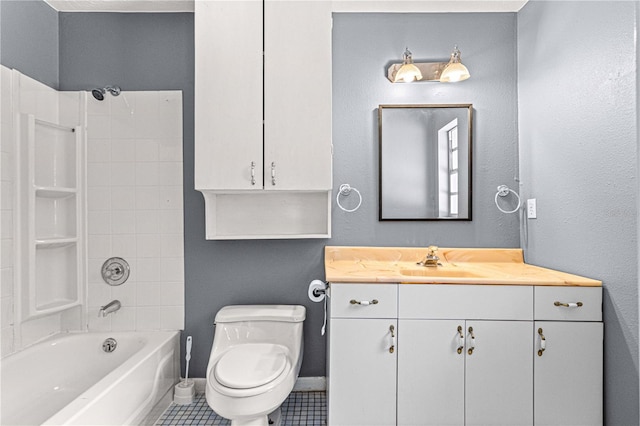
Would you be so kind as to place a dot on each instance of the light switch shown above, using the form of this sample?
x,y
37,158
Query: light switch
x,y
531,208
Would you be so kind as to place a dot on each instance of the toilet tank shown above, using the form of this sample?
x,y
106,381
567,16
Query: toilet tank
x,y
273,313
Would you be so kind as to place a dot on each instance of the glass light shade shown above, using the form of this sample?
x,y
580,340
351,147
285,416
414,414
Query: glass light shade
x,y
454,72
407,73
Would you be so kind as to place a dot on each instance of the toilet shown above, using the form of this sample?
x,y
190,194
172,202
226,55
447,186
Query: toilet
x,y
254,362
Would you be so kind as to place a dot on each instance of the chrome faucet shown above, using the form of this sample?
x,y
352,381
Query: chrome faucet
x,y
431,259
110,307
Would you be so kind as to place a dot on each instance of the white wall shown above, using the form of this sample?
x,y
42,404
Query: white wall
x,y
135,208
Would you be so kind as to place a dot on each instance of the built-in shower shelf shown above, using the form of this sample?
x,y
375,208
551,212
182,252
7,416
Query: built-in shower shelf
x,y
54,306
51,157
54,192
55,242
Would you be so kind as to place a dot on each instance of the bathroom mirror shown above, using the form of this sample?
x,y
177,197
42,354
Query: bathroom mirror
x,y
425,162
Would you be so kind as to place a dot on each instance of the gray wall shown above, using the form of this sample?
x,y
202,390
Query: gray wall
x,y
578,157
29,39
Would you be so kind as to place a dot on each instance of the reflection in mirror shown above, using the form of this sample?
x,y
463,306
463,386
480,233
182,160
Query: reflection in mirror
x,y
425,162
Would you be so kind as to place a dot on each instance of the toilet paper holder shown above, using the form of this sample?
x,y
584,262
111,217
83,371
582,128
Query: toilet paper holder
x,y
319,291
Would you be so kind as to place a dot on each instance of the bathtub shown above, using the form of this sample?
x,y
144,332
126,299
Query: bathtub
x,y
69,379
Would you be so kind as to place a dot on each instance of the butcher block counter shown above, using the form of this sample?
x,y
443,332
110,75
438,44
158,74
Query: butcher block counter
x,y
454,266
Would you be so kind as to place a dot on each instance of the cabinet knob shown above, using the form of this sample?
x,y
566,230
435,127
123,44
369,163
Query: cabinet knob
x,y
472,341
392,330
543,342
253,173
460,340
273,173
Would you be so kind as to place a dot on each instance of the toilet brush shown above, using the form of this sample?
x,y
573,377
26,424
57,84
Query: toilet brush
x,y
184,391
188,358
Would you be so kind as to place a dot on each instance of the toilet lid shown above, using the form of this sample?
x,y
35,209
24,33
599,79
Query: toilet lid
x,y
250,365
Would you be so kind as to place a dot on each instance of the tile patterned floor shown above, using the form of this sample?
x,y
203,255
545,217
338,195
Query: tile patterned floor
x,y
299,409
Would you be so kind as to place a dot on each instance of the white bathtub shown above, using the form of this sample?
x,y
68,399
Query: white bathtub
x,y
70,380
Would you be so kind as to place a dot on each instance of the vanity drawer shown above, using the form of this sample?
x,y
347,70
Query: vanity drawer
x,y
376,300
550,303
491,302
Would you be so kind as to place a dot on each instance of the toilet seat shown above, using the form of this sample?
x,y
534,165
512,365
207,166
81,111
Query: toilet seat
x,y
250,365
248,374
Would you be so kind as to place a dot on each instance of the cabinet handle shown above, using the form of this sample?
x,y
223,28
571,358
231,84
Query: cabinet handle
x,y
364,302
472,341
392,329
253,173
273,173
460,340
568,305
543,342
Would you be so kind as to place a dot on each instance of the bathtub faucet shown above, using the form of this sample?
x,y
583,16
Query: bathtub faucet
x,y
110,307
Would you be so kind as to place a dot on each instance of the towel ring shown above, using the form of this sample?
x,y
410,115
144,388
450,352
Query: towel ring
x,y
345,190
503,191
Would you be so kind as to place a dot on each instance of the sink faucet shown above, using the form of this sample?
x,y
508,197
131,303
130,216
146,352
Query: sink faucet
x,y
110,307
431,259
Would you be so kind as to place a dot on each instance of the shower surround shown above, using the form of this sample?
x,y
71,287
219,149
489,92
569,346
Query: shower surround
x,y
130,205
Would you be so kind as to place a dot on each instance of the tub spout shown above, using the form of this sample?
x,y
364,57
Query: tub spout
x,y
110,307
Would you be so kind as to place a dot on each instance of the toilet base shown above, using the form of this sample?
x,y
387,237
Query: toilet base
x,y
273,419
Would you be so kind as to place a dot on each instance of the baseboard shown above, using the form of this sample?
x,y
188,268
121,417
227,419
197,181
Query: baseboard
x,y
303,384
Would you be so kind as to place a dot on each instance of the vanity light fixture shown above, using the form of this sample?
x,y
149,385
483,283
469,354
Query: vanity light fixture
x,y
409,71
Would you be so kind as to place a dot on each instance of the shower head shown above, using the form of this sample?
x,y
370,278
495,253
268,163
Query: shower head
x,y
100,92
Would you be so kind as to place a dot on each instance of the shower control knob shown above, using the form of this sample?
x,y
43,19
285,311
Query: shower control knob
x,y
115,271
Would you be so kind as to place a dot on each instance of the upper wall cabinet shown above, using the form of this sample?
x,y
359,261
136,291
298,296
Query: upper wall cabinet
x,y
263,117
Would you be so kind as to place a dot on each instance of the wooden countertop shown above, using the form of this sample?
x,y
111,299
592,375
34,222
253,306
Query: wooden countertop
x,y
459,266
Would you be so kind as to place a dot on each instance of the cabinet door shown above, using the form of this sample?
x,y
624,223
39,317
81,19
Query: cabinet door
x,y
430,372
361,373
228,95
499,373
297,105
568,373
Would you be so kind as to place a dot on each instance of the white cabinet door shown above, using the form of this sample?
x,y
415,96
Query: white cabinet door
x,y
297,104
362,372
228,95
499,373
431,372
568,373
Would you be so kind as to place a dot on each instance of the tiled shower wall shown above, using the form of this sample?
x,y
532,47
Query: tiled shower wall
x,y
135,209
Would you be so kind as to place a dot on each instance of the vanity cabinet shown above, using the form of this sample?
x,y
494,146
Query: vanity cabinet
x,y
362,355
568,379
464,355
263,149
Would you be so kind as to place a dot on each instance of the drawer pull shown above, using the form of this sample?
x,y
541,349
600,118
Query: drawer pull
x,y
543,343
460,340
568,305
472,341
392,329
364,302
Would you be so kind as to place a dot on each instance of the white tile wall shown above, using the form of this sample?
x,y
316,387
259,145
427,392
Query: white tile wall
x,y
135,208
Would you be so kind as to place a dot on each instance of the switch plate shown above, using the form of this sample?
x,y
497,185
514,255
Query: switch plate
x,y
531,208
